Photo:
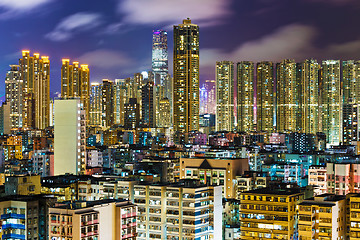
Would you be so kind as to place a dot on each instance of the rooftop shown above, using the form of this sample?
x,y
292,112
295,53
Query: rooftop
x,y
276,191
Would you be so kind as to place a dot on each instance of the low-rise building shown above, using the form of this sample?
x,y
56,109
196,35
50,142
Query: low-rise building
x,y
322,217
215,171
317,178
25,217
270,213
179,211
101,220
22,185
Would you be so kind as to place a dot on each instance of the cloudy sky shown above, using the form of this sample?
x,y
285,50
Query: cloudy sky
x,y
114,36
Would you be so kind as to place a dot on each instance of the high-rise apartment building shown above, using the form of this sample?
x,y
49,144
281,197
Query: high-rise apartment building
x,y
103,103
164,113
186,77
5,118
351,81
265,104
309,97
160,56
132,114
225,96
136,86
14,95
245,96
69,137
203,100
120,99
107,103
95,112
288,115
75,82
210,105
35,73
331,100
350,123
148,108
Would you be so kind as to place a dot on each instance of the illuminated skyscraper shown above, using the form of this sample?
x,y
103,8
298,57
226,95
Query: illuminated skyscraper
x,y
119,101
35,73
75,82
107,103
203,100
351,81
265,97
102,104
148,108
309,79
164,113
14,95
160,56
132,114
331,100
186,77
350,123
225,96
245,96
95,104
210,86
287,97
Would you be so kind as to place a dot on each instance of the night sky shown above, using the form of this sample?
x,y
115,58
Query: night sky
x,y
114,36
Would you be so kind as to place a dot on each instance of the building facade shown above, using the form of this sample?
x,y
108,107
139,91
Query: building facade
x,y
35,73
225,118
69,137
186,77
14,95
245,96
265,103
331,101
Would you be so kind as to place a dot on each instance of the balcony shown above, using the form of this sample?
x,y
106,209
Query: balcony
x,y
128,215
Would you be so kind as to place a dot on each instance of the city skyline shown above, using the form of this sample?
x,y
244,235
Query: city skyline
x,y
90,33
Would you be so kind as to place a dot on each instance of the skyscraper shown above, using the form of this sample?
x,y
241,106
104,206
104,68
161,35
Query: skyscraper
x,y
203,100
148,105
14,95
95,112
70,137
350,126
331,100
309,97
225,96
265,97
107,103
75,82
119,101
164,113
160,56
132,114
35,73
351,81
186,77
210,86
245,96
287,97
